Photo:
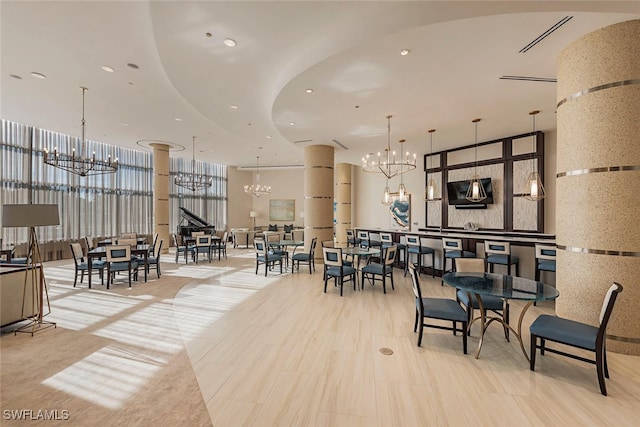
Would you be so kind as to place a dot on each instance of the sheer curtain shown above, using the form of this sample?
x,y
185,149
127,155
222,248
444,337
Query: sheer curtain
x,y
97,205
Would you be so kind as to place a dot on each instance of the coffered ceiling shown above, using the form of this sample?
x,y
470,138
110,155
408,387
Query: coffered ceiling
x,y
300,73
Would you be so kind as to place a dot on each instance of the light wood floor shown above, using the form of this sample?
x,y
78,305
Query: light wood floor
x,y
215,344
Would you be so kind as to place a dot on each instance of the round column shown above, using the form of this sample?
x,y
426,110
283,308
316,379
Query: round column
x,y
161,194
598,173
343,202
318,195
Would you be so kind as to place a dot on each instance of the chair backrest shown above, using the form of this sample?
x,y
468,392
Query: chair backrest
x,y
118,253
76,251
159,250
204,240
449,244
197,233
363,235
497,248
174,239
260,246
272,237
546,252
412,240
390,255
327,243
350,234
225,238
607,304
470,265
89,242
415,283
130,242
386,238
155,240
332,257
288,228
297,234
128,236
312,249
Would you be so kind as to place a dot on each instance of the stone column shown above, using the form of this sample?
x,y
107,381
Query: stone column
x,y
161,194
598,174
318,195
343,201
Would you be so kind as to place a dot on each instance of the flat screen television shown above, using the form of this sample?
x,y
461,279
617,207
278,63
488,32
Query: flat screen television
x,y
457,191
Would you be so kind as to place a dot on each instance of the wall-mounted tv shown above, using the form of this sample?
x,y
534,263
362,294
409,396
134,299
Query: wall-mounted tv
x,y
457,191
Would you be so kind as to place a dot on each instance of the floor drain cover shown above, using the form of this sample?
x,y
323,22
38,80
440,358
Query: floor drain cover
x,y
386,351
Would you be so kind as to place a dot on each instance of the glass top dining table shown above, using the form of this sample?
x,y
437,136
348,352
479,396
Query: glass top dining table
x,y
501,286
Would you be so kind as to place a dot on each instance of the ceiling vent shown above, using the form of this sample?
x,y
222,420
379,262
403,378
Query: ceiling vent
x,y
530,79
303,141
340,144
546,34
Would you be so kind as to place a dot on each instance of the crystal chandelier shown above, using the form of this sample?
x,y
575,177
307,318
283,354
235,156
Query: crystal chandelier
x,y
388,164
476,192
430,191
81,164
534,190
257,189
193,181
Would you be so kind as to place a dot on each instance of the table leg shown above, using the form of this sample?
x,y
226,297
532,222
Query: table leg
x,y
89,262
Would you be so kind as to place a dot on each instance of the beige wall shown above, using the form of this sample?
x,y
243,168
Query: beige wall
x,y
239,204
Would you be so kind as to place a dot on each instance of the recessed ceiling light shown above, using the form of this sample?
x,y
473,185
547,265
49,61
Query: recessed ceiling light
x,y
208,34
233,107
292,123
309,90
230,42
132,65
38,75
131,83
405,52
107,69
178,119
15,76
268,136
124,124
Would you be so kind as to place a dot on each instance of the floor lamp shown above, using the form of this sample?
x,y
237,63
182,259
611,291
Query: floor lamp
x,y
33,302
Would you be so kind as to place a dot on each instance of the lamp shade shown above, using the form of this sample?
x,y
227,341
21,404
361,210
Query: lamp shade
x,y
30,215
252,214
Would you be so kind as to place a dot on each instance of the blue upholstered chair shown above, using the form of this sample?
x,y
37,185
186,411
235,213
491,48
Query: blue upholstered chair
x,y
202,246
220,246
351,238
576,334
155,259
470,302
180,249
383,269
119,259
305,257
545,259
415,247
263,256
335,267
500,253
81,264
386,239
452,249
437,308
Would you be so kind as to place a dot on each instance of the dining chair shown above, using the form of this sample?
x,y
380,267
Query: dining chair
x,y
119,259
492,303
155,260
197,233
305,257
386,240
273,242
415,247
220,246
351,237
437,308
88,241
152,249
180,249
500,253
297,235
453,250
383,269
576,334
335,267
81,264
128,235
264,256
545,259
201,246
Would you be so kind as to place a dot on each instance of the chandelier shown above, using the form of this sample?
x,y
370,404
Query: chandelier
x,y
388,164
476,192
193,181
534,190
81,164
430,191
257,189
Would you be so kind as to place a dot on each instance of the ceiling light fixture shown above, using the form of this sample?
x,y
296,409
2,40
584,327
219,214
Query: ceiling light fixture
x,y
132,65
178,119
80,165
38,75
476,192
405,52
534,190
230,42
257,189
292,123
430,191
309,90
107,69
193,181
388,164
402,190
233,107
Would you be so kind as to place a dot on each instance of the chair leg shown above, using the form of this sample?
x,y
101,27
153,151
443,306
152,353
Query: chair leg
x,y
600,370
604,359
391,275
421,326
433,265
464,337
415,323
532,358
75,279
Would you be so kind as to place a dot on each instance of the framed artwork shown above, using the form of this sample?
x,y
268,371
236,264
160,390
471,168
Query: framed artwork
x,y
400,214
282,209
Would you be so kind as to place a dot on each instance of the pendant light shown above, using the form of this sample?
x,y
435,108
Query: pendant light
x,y
386,196
534,190
476,192
402,190
430,191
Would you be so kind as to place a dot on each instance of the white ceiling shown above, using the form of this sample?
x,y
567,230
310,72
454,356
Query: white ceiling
x,y
347,52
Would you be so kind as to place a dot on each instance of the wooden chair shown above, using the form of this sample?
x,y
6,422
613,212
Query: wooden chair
x,y
415,247
383,269
500,253
306,258
202,246
119,259
180,249
155,260
82,265
264,256
334,267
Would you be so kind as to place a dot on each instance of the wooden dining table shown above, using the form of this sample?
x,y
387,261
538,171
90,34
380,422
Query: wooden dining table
x,y
101,252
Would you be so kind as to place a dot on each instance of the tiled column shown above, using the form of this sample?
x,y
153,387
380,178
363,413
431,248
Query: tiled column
x,y
598,175
161,194
343,202
318,195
